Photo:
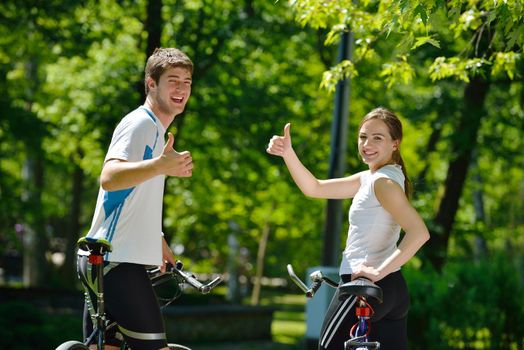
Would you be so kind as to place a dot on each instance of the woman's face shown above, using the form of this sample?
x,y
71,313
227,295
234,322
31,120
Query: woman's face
x,y
375,144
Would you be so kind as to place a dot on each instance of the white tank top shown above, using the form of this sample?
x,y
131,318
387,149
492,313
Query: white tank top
x,y
373,234
131,219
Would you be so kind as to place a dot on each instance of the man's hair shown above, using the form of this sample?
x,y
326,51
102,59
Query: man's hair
x,y
163,59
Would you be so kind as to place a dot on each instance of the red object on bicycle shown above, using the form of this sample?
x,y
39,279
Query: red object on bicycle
x,y
96,259
363,312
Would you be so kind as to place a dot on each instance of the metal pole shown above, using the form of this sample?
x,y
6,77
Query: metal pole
x,y
339,128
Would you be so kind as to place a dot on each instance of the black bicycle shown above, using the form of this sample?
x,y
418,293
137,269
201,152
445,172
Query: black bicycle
x,y
361,288
97,248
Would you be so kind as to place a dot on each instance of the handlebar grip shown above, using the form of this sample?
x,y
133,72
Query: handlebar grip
x,y
212,284
314,287
295,279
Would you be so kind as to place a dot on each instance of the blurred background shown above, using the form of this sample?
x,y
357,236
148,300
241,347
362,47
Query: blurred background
x,y
452,71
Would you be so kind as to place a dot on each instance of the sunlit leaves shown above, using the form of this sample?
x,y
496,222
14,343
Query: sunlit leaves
x,y
505,64
343,70
398,71
454,67
498,25
422,40
320,13
76,86
334,34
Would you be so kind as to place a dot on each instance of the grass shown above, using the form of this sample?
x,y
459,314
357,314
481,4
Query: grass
x,y
289,322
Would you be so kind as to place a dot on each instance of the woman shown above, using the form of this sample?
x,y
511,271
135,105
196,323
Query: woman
x,y
380,208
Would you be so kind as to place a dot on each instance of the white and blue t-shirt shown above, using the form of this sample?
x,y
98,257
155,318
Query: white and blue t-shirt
x,y
131,219
373,234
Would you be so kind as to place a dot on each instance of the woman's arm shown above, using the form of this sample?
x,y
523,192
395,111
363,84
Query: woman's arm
x,y
309,185
393,199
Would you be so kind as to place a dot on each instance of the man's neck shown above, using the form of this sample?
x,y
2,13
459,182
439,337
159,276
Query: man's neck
x,y
166,120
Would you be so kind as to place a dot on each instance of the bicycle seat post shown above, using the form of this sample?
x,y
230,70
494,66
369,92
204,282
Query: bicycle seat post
x,y
362,289
97,261
97,248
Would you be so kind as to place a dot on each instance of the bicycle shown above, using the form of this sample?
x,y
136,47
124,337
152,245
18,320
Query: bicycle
x,y
97,248
362,289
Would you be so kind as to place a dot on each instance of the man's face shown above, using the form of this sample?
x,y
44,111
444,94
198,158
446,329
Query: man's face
x,y
172,91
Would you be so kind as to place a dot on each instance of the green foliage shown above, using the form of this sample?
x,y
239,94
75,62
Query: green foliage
x,y
455,67
265,74
24,326
341,71
469,306
21,326
489,33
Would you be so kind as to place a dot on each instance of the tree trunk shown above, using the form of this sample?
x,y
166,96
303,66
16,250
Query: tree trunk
x,y
35,270
35,243
153,28
261,254
463,144
73,232
481,246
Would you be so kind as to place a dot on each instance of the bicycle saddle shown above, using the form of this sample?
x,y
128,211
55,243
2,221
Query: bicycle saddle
x,y
95,246
361,287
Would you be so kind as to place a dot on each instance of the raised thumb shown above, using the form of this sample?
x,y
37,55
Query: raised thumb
x,y
170,141
287,131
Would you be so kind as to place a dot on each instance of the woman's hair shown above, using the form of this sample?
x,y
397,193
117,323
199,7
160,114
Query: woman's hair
x,y
163,59
395,130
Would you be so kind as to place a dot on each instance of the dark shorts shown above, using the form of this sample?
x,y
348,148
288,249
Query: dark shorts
x,y
388,324
130,302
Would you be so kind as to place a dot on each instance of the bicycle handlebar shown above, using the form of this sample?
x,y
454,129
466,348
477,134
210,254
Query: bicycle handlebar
x,y
297,280
317,279
193,282
158,277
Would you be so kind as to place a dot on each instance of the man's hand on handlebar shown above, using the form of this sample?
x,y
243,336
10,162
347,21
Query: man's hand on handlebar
x,y
167,255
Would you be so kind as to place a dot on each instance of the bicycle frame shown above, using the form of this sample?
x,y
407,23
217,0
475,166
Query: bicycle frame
x,y
97,248
361,288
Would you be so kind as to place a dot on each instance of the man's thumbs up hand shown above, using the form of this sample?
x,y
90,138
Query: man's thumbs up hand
x,y
173,163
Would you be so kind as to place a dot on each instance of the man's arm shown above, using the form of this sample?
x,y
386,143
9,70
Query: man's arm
x,y
119,174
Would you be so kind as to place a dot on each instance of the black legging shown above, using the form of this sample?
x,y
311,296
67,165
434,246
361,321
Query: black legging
x,y
389,322
131,302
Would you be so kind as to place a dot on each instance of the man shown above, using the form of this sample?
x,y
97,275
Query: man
x,y
129,207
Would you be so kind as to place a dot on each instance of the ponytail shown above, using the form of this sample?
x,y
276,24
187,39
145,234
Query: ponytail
x,y
408,187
